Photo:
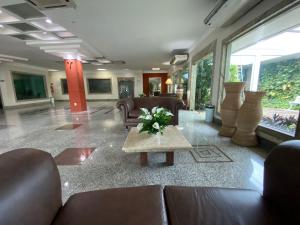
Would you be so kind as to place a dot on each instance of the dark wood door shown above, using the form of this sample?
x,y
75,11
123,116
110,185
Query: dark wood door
x,y
146,85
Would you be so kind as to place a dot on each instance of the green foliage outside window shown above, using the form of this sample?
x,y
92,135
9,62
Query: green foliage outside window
x,y
281,82
234,76
203,83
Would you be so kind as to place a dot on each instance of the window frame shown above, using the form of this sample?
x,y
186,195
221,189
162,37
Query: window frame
x,y
98,93
211,48
12,72
273,13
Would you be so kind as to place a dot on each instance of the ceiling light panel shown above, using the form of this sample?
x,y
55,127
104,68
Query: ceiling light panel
x,y
6,18
24,11
65,34
23,37
6,60
7,31
104,61
51,27
44,36
25,27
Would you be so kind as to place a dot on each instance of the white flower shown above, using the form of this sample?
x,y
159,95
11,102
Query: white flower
x,y
169,114
159,110
156,125
142,117
140,126
154,110
145,110
148,117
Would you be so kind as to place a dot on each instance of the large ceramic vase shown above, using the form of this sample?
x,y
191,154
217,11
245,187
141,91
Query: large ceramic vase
x,y
230,107
249,116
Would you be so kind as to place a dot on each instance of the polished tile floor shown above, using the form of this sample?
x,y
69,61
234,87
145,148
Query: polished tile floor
x,y
107,166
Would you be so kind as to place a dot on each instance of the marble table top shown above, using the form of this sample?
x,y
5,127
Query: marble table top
x,y
171,140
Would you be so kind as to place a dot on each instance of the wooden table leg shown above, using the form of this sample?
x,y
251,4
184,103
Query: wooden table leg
x,y
170,158
144,158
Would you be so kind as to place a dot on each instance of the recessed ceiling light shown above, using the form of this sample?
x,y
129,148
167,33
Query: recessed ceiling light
x,y
156,69
101,69
167,63
44,32
1,26
0,11
48,21
103,60
53,70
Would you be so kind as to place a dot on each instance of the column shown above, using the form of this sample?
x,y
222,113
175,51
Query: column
x,y
75,81
255,73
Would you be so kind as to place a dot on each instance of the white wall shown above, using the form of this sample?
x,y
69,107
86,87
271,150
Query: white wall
x,y
6,84
55,78
220,34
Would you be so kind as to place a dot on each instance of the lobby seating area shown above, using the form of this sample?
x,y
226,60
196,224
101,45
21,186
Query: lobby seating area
x,y
149,112
130,108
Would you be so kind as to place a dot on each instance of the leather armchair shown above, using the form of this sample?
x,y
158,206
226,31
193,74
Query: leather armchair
x,y
130,108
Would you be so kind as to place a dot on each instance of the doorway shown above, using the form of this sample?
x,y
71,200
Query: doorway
x,y
126,87
154,84
1,103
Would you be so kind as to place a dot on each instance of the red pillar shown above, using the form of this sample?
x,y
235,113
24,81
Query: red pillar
x,y
75,82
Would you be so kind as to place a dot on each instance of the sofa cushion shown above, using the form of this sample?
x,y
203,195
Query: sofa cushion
x,y
134,113
216,206
126,206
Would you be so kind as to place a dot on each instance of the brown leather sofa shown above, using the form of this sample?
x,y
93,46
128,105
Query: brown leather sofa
x,y
30,194
130,108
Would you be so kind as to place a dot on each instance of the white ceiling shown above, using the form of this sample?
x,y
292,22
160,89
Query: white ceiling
x,y
141,32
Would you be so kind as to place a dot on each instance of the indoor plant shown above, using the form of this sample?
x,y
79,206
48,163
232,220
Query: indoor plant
x,y
155,121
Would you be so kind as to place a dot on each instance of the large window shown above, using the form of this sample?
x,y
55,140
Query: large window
x,y
203,82
268,59
29,86
64,86
99,86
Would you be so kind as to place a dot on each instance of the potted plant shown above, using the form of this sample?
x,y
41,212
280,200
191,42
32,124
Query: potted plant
x,y
154,122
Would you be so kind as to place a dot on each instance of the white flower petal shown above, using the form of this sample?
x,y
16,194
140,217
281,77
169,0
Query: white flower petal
x,y
148,117
153,110
169,114
159,110
140,126
144,110
156,125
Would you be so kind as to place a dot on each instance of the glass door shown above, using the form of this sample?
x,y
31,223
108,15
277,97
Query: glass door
x,y
126,87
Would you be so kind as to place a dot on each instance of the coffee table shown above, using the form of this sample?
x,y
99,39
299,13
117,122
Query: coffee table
x,y
143,143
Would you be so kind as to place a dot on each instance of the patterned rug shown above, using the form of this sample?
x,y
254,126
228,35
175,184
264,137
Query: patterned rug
x,y
209,154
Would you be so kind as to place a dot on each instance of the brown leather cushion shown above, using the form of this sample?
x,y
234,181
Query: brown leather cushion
x,y
134,113
30,188
216,206
120,206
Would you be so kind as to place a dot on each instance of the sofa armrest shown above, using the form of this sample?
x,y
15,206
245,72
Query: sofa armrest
x,y
30,188
281,179
177,106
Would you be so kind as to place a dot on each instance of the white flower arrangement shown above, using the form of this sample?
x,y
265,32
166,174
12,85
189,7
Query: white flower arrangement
x,y
154,121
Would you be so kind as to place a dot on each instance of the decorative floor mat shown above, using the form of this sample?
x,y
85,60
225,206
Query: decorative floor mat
x,y
209,154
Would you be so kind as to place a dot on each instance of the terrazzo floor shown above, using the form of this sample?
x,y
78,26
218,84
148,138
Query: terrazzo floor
x,y
108,166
